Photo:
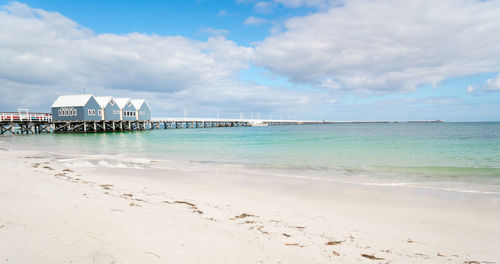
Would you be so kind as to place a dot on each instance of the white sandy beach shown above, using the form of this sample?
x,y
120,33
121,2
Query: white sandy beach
x,y
52,212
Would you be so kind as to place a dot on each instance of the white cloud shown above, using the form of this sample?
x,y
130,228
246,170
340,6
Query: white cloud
x,y
264,7
42,47
470,89
44,54
306,3
224,13
493,85
215,31
330,84
389,45
419,101
294,3
254,21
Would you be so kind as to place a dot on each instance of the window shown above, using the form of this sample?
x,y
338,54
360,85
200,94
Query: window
x,y
112,102
99,112
67,112
91,112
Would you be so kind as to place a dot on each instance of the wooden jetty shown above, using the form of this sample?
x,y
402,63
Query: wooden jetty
x,y
21,123
38,123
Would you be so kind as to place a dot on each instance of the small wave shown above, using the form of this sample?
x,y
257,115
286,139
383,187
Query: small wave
x,y
419,185
107,161
77,163
459,190
106,164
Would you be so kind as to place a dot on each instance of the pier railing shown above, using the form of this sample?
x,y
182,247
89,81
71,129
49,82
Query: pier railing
x,y
23,117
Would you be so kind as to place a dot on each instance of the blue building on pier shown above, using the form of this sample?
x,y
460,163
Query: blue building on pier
x,y
75,107
143,109
109,108
86,107
127,109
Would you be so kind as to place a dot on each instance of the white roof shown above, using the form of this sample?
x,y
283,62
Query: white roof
x,y
103,100
122,102
138,103
72,100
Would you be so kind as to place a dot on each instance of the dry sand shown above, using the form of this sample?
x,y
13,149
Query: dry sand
x,y
51,212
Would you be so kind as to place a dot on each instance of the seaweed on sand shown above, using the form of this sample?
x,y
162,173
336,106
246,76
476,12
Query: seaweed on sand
x,y
244,215
333,243
368,256
106,186
294,245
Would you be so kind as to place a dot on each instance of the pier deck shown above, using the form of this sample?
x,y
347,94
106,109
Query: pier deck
x,y
37,123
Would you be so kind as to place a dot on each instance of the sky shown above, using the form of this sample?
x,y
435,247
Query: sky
x,y
290,59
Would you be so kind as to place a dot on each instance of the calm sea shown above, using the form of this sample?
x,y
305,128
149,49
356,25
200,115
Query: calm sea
x,y
451,156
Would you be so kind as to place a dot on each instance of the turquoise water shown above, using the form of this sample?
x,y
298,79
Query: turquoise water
x,y
454,156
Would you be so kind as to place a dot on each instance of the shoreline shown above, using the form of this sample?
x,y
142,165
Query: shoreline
x,y
382,176
207,217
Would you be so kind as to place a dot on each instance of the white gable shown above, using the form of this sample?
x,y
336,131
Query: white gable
x,y
104,100
122,102
72,100
139,102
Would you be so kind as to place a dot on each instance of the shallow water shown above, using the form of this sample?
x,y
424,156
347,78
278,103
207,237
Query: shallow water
x,y
449,156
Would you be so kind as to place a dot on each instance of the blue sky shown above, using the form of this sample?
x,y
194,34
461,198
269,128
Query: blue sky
x,y
316,59
177,17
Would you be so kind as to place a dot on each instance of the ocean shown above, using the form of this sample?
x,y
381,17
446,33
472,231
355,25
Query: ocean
x,y
461,157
